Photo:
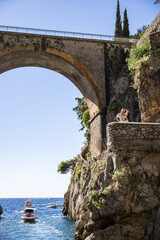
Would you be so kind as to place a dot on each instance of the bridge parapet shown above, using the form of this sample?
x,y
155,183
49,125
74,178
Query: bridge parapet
x,y
65,34
133,136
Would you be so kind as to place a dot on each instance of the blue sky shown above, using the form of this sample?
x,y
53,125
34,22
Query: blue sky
x,y
38,128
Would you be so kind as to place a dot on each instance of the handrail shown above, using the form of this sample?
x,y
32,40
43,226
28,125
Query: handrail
x,y
63,33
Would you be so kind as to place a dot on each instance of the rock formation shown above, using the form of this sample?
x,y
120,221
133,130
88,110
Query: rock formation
x,y
116,196
121,92
1,211
148,77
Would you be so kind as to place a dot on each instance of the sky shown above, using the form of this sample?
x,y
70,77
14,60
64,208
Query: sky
x,y
38,128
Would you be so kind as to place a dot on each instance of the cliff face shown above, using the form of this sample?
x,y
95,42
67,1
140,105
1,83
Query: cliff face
x,y
148,77
117,196
121,94
149,93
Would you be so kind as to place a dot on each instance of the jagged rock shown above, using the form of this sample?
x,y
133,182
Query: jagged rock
x,y
149,93
148,77
123,96
117,195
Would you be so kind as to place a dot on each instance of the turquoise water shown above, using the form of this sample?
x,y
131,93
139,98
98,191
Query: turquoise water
x,y
51,223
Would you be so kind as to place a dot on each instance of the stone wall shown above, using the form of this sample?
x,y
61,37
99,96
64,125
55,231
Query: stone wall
x,y
116,195
133,136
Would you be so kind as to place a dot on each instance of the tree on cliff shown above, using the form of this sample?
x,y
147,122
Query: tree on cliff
x,y
118,25
125,31
157,1
67,166
83,114
80,110
140,32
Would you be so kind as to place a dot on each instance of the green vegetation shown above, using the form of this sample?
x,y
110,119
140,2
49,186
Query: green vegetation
x,y
138,55
97,169
83,114
83,171
107,190
80,109
157,1
125,31
118,24
76,172
98,198
140,32
119,174
86,118
67,166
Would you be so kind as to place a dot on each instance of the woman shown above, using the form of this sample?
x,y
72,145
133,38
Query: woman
x,y
122,116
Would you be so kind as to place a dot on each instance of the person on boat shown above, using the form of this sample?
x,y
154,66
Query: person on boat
x,y
122,116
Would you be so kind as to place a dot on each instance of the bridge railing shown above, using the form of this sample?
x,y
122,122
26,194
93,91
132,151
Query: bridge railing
x,y
63,33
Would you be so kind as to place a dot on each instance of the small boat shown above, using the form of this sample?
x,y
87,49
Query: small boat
x,y
29,207
51,205
29,218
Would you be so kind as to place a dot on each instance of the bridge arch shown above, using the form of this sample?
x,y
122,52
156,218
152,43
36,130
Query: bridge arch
x,y
59,61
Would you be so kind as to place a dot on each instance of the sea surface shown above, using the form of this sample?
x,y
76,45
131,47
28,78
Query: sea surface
x,y
51,224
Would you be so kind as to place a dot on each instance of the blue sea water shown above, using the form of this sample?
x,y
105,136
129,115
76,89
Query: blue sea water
x,y
51,224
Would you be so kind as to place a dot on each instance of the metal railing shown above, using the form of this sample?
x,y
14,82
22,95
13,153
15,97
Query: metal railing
x,y
63,33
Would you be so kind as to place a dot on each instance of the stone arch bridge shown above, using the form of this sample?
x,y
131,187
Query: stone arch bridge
x,y
82,59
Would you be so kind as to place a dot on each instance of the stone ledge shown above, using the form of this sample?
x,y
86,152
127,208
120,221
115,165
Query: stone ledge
x,y
133,136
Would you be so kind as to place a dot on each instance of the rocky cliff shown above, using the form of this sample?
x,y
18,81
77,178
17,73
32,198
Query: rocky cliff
x,y
148,77
120,90
116,196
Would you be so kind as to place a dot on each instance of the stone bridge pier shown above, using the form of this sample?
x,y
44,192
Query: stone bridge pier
x,y
83,61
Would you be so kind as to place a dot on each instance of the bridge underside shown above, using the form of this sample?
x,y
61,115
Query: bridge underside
x,y
82,61
58,64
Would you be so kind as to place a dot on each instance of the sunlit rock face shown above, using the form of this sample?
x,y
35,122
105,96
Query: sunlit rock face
x,y
149,94
148,78
116,196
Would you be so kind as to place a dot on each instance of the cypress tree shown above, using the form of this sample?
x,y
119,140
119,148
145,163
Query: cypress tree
x,y
118,25
125,25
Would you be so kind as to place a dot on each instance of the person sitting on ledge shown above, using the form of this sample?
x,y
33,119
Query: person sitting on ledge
x,y
122,116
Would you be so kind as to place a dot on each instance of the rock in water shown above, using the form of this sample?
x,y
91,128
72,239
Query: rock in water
x,y
1,211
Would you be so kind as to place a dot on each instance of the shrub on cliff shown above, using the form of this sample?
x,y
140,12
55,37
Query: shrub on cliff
x,y
67,166
138,55
80,109
140,32
83,114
